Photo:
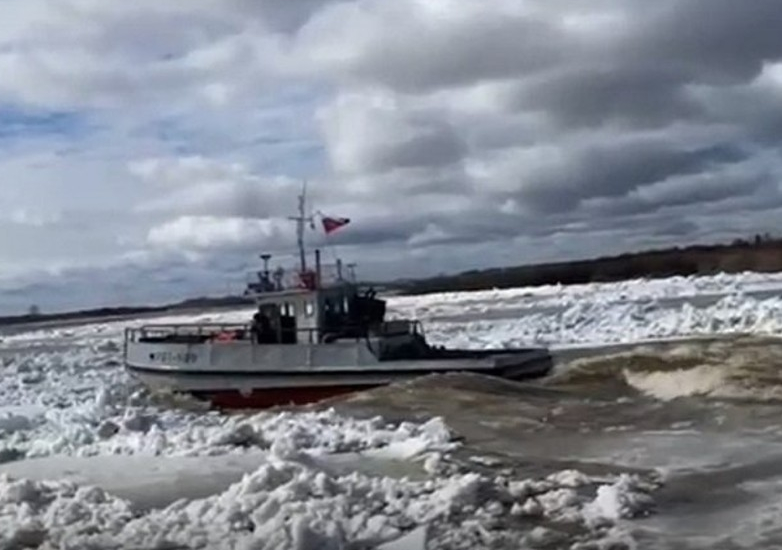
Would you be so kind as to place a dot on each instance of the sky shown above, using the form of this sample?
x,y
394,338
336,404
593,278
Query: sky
x,y
149,150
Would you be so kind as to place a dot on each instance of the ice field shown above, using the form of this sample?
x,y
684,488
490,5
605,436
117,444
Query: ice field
x,y
90,460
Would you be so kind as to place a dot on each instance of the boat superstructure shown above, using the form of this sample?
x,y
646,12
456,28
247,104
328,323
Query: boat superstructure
x,y
315,333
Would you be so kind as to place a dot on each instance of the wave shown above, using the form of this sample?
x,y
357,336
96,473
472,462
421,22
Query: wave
x,y
737,369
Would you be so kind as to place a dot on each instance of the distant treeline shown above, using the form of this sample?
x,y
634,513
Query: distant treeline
x,y
762,254
190,304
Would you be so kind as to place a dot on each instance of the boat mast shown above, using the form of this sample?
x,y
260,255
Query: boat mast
x,y
300,220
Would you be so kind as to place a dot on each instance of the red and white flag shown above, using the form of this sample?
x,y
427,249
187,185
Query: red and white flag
x,y
332,224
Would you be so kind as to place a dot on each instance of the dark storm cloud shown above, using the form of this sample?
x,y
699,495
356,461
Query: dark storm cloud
x,y
685,69
280,15
416,57
736,191
432,144
616,171
675,67
714,41
642,73
754,110
712,188
604,94
675,41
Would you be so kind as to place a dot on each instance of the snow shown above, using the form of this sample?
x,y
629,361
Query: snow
x,y
673,288
93,461
621,499
599,314
146,482
414,540
294,504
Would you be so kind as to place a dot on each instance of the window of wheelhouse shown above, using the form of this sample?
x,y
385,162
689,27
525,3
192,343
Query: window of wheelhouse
x,y
288,330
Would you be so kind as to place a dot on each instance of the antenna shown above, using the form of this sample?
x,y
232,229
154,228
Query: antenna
x,y
300,220
266,258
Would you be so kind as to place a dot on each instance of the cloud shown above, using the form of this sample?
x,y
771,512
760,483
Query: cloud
x,y
153,138
372,132
196,186
213,234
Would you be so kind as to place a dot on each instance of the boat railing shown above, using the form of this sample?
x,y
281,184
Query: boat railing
x,y
281,279
185,328
185,333
229,332
198,333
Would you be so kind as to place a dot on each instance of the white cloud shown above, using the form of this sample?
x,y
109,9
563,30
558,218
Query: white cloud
x,y
197,186
432,234
375,132
23,216
213,234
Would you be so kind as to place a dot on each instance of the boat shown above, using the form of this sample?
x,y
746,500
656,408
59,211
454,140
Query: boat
x,y
315,333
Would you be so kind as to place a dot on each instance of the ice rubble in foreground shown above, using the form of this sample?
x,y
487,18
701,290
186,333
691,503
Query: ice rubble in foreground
x,y
294,499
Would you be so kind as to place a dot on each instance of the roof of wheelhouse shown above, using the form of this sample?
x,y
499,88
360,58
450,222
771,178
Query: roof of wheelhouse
x,y
276,296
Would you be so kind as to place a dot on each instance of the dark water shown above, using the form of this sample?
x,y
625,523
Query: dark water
x,y
704,415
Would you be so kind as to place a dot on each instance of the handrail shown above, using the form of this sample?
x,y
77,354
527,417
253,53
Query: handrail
x,y
163,326
213,330
132,334
206,332
209,327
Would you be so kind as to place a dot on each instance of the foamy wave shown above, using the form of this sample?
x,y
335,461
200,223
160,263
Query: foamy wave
x,y
703,380
746,369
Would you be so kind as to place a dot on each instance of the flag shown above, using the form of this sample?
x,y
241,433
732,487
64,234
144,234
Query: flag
x,y
332,224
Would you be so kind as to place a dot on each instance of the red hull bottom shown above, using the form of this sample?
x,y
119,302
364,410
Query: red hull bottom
x,y
273,397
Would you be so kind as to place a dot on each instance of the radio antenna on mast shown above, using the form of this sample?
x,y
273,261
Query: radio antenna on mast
x,y
300,220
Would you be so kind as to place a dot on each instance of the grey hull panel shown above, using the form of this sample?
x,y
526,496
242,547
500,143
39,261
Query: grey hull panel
x,y
528,364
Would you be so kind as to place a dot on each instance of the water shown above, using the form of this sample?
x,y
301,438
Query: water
x,y
706,415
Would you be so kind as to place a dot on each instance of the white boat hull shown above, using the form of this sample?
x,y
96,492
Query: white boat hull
x,y
244,374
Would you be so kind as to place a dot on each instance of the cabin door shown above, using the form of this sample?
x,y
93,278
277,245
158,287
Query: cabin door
x,y
288,327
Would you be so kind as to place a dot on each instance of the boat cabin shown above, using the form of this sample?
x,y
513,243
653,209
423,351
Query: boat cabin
x,y
297,306
312,312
